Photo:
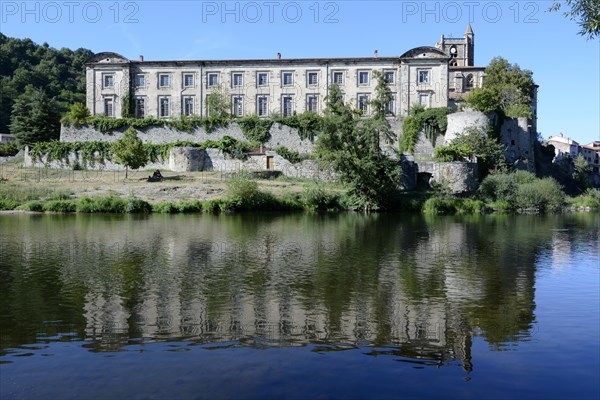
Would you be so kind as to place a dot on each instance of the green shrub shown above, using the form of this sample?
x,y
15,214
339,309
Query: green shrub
x,y
542,195
107,204
504,186
470,206
60,206
137,206
9,149
165,207
33,205
291,155
439,206
591,199
8,204
243,194
77,115
315,197
215,206
190,206
254,128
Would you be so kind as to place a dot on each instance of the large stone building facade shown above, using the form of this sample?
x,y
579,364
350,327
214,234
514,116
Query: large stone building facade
x,y
431,76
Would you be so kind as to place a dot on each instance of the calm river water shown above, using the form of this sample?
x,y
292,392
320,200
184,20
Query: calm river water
x,y
299,306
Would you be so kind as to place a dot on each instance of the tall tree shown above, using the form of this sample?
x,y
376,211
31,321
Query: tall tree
x,y
35,117
350,144
507,89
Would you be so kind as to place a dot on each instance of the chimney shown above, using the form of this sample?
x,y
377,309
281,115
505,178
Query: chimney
x,y
141,58
376,54
279,56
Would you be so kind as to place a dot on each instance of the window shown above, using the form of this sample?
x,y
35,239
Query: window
x,y
164,107
313,78
164,80
363,77
423,77
212,80
424,100
363,102
262,79
286,106
140,107
108,81
389,76
311,103
237,79
389,107
140,81
108,108
287,78
188,105
188,80
338,78
261,106
237,104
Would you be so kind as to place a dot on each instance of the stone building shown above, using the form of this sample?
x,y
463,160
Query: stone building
x,y
432,76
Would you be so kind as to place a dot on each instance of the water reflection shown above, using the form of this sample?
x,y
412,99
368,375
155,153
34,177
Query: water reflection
x,y
407,286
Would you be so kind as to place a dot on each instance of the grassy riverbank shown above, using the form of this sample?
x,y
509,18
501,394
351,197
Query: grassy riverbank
x,y
45,190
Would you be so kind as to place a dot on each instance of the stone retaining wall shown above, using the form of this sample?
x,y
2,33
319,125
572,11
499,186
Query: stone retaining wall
x,y
280,135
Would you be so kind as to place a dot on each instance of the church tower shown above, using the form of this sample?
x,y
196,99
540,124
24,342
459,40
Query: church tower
x,y
460,50
470,46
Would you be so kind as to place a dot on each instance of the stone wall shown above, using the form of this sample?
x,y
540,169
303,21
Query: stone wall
x,y
461,121
458,178
188,159
280,135
518,138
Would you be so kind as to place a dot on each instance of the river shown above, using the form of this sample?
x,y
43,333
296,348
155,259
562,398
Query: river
x,y
299,306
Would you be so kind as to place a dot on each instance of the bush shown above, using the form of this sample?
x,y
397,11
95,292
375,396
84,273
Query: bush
x,y
439,206
137,206
591,198
315,197
243,194
9,149
190,206
108,204
254,128
291,155
541,195
8,204
504,186
64,206
165,207
78,115
34,205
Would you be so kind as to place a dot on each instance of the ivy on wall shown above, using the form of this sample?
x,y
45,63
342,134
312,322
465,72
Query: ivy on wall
x,y
99,152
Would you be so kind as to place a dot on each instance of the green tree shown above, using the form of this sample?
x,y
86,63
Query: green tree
x,y
61,73
77,115
507,89
585,12
379,123
581,172
35,117
218,104
349,144
129,151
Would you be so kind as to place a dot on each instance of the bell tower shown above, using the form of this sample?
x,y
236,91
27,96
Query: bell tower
x,y
469,46
460,50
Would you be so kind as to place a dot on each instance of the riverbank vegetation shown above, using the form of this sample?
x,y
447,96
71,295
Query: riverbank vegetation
x,y
505,193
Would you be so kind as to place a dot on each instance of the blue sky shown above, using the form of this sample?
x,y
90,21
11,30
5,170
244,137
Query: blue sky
x,y
565,65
